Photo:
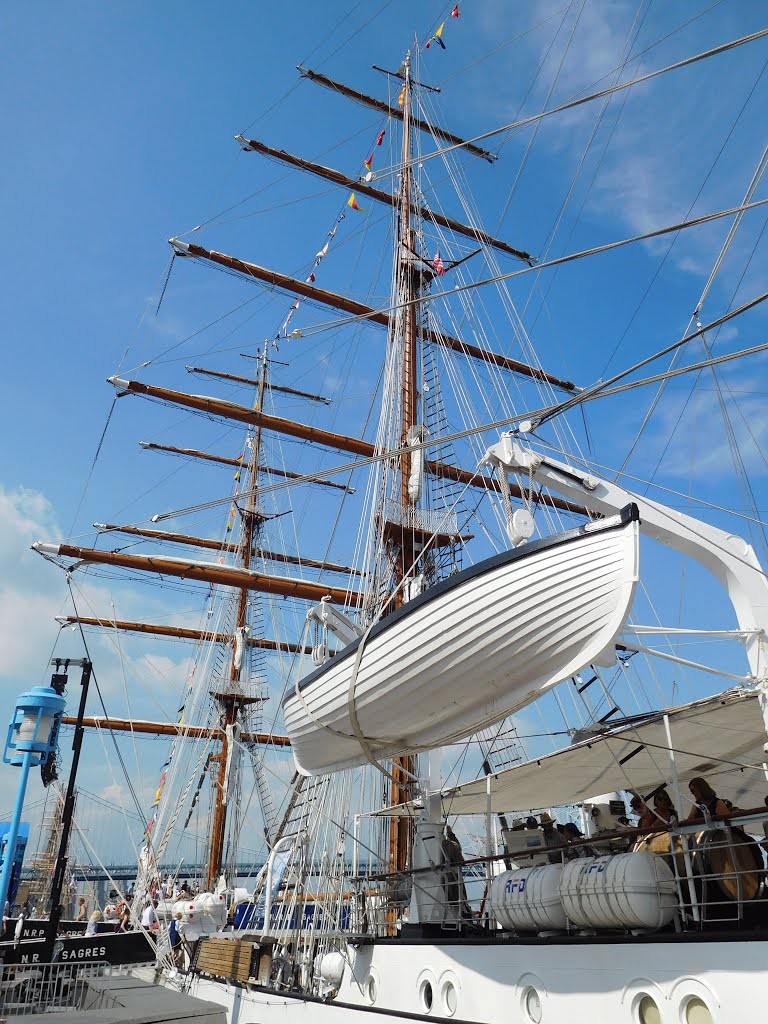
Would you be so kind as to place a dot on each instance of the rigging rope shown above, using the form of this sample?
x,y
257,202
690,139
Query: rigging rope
x,y
571,104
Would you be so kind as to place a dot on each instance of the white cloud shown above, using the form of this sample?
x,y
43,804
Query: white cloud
x,y
115,793
657,159
28,603
697,443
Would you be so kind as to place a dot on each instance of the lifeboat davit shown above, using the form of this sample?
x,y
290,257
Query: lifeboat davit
x,y
470,650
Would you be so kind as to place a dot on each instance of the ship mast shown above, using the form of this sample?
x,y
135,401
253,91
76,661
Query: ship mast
x,y
408,291
232,700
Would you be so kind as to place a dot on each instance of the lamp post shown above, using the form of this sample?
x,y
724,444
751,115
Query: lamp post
x,y
32,735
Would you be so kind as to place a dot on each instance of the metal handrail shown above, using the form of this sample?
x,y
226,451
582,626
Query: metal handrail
x,y
40,988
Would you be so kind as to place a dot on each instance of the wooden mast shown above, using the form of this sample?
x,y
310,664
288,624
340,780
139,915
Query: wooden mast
x,y
401,830
216,545
233,700
223,460
292,428
395,112
205,572
192,732
180,633
306,290
380,196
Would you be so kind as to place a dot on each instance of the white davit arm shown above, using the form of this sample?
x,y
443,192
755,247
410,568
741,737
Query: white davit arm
x,y
328,615
729,557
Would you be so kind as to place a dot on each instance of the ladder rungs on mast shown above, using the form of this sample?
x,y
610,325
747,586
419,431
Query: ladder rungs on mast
x,y
359,309
371,101
379,195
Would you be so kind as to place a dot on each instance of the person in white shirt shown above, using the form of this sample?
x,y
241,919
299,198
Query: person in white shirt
x,y
149,917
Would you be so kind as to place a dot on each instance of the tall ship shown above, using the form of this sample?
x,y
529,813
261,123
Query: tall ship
x,y
477,685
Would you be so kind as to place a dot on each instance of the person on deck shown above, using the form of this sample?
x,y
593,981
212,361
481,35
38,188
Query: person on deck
x,y
149,917
552,838
706,800
663,806
646,817
124,923
174,937
572,834
82,910
453,879
93,922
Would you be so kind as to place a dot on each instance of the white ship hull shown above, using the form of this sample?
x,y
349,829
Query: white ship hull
x,y
469,651
584,980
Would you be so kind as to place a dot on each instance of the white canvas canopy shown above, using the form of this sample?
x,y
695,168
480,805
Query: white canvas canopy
x,y
720,737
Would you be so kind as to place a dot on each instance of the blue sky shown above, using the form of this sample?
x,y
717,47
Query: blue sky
x,y
118,121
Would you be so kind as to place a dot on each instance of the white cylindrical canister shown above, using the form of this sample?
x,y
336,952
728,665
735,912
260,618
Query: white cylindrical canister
x,y
528,899
331,968
212,911
627,890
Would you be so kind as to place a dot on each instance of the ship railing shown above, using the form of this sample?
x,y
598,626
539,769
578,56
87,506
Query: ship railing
x,y
719,867
425,520
27,989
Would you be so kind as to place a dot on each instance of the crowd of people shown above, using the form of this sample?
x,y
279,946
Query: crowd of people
x,y
656,811
119,914
706,803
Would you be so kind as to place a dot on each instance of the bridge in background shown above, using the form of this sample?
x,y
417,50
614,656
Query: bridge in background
x,y
127,872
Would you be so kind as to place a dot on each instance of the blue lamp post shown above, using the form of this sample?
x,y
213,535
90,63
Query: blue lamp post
x,y
32,735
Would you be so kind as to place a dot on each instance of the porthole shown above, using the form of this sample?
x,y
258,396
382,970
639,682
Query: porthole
x,y
697,1012
648,1011
532,1004
450,998
427,995
371,990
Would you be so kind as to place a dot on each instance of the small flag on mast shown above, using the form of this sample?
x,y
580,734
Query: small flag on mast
x,y
438,36
380,136
401,97
352,201
455,11
438,264
369,162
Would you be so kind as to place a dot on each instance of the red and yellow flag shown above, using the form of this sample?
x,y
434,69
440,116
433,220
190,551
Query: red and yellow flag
x,y
352,201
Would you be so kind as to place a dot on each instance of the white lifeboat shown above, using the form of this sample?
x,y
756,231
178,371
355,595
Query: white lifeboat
x,y
470,650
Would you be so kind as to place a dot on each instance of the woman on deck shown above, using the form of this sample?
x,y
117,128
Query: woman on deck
x,y
706,800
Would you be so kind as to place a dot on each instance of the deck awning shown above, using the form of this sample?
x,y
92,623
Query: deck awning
x,y
721,738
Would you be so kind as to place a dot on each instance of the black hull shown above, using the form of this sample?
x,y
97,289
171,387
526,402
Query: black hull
x,y
112,947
